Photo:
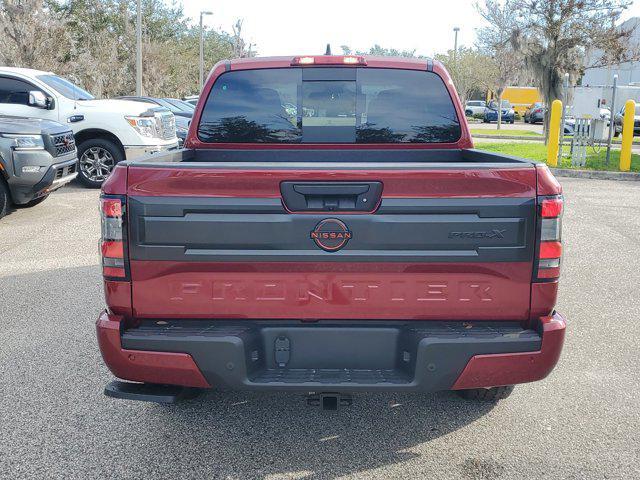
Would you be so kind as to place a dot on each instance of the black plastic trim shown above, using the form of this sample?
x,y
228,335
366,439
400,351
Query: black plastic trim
x,y
332,356
210,229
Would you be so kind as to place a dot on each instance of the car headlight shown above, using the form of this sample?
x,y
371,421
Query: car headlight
x,y
26,142
145,126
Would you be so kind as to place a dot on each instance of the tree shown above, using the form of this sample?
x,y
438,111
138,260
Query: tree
x,y
379,51
471,71
553,37
92,42
494,41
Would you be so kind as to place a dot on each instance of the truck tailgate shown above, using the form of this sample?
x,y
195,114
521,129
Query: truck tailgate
x,y
441,242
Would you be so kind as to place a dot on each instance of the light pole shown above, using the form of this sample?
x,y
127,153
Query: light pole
x,y
202,49
455,43
138,49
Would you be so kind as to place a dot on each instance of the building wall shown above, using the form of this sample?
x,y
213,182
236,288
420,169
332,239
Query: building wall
x,y
628,72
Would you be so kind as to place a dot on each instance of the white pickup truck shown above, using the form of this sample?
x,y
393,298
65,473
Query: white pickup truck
x,y
106,131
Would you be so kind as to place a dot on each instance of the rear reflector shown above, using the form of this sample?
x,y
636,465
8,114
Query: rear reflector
x,y
550,250
111,207
112,249
551,207
113,272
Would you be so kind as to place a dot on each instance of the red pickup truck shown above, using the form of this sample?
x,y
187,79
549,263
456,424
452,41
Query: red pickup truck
x,y
329,228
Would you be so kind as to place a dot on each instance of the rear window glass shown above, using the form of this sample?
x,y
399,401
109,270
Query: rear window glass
x,y
294,105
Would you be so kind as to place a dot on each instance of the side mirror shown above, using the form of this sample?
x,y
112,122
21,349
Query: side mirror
x,y
40,100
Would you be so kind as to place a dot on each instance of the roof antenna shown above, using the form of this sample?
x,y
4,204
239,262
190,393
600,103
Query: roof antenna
x,y
328,51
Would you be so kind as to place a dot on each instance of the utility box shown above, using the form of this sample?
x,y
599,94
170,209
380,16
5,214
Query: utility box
x,y
588,101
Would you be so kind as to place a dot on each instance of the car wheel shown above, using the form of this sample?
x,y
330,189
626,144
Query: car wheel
x,y
34,202
5,198
492,394
97,158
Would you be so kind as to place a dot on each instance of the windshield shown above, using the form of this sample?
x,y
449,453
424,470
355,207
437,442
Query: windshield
x,y
65,87
494,104
329,105
180,106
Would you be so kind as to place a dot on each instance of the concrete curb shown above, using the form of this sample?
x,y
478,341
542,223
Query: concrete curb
x,y
534,138
596,174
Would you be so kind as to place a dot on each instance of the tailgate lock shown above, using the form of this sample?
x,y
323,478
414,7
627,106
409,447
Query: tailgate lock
x,y
282,351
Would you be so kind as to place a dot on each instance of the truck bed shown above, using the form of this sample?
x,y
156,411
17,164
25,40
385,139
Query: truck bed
x,y
370,156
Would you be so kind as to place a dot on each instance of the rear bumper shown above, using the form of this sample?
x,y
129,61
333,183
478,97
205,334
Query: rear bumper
x,y
297,356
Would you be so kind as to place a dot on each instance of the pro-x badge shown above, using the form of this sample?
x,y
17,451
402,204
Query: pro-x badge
x,y
331,234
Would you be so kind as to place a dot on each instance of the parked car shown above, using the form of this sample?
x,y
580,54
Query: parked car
x,y
297,261
475,107
36,158
192,99
182,111
619,117
106,131
535,113
491,112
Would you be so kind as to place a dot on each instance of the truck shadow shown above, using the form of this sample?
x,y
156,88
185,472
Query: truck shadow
x,y
250,435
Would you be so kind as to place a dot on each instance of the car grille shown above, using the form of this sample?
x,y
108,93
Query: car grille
x,y
63,144
64,171
167,126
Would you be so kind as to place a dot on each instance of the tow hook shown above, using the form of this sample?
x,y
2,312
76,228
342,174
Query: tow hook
x,y
329,401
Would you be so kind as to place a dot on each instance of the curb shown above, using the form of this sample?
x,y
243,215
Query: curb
x,y
596,174
535,138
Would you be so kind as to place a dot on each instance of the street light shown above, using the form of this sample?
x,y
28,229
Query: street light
x,y
138,49
455,43
202,49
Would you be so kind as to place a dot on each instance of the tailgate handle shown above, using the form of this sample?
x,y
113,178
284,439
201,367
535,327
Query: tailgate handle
x,y
331,196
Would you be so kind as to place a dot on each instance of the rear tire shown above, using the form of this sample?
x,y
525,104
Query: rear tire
x,y
492,394
97,157
5,198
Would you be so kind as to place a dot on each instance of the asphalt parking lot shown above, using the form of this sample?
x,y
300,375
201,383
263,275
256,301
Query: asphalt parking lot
x,y
581,422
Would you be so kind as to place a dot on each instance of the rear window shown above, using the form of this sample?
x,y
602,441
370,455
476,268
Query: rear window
x,y
329,105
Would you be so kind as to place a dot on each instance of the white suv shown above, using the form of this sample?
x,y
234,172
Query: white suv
x,y
106,131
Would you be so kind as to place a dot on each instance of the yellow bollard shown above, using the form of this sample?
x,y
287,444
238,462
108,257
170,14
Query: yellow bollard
x,y
627,135
553,143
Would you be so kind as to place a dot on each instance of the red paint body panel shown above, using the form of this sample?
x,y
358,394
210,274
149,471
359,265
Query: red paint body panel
x,y
253,182
543,299
142,366
432,291
512,368
547,183
118,297
116,183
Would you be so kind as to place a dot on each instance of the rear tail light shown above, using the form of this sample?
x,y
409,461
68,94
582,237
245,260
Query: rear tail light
x,y
112,243
550,237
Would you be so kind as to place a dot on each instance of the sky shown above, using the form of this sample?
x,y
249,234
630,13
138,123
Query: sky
x,y
288,27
